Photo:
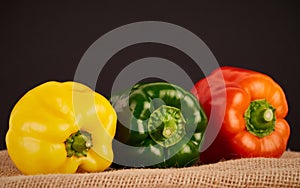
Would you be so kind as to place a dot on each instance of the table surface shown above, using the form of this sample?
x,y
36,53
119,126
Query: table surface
x,y
247,172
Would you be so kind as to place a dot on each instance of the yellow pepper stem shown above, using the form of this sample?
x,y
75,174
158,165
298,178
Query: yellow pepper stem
x,y
78,144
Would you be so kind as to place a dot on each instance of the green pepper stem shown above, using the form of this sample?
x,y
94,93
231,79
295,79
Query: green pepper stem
x,y
78,144
167,132
169,128
166,126
260,118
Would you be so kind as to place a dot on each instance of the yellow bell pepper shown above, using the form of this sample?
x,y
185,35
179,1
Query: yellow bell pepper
x,y
60,127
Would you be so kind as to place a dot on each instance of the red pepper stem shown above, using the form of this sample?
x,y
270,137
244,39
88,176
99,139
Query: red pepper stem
x,y
268,115
78,144
260,118
166,126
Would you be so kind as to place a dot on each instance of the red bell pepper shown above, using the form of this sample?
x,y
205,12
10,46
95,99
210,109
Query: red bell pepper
x,y
253,124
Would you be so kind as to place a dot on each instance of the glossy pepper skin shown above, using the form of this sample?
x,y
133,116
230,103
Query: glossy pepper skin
x,y
254,124
162,126
59,127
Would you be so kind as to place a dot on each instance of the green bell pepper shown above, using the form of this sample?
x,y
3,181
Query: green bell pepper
x,y
159,125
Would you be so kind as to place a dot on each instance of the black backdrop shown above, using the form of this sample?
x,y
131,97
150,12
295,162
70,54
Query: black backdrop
x,y
45,41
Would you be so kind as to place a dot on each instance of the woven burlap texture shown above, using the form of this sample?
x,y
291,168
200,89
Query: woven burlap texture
x,y
252,172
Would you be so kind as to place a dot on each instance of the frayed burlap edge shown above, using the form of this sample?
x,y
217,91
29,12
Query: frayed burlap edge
x,y
248,172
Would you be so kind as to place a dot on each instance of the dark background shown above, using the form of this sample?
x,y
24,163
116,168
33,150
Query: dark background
x,y
45,41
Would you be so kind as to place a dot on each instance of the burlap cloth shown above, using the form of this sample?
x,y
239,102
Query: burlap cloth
x,y
255,172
